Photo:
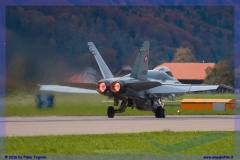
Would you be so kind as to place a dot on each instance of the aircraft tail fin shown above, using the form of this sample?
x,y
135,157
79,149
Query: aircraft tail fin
x,y
140,67
101,63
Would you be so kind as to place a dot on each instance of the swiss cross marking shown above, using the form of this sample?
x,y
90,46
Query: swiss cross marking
x,y
146,58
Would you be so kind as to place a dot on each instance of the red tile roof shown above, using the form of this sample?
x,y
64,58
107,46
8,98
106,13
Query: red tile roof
x,y
188,71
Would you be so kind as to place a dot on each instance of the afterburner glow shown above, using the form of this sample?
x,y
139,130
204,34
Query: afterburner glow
x,y
101,87
115,87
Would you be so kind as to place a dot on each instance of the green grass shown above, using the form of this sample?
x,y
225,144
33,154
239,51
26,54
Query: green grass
x,y
73,104
166,142
65,104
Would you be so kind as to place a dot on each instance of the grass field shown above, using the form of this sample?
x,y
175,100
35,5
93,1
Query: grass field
x,y
72,104
166,142
147,143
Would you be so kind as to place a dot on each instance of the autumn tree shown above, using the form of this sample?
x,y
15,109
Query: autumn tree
x,y
183,55
220,74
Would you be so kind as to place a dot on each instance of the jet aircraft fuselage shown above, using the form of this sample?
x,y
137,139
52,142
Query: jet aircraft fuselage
x,y
142,88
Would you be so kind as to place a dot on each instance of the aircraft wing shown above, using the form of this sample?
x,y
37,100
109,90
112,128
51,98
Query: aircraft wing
x,y
181,88
196,88
67,89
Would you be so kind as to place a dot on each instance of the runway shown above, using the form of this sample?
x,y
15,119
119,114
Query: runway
x,y
62,125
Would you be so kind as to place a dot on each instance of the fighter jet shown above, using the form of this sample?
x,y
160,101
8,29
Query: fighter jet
x,y
142,89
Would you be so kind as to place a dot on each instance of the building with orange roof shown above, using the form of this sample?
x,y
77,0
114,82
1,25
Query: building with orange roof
x,y
189,73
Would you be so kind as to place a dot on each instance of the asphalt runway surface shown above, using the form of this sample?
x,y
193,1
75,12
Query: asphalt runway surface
x,y
62,125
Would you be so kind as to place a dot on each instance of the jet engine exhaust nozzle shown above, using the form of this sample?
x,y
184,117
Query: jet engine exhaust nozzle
x,y
117,87
101,87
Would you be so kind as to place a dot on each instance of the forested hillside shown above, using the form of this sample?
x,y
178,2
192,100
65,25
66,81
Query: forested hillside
x,y
49,43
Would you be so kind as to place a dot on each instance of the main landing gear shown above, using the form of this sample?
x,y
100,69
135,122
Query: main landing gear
x,y
111,111
160,112
156,107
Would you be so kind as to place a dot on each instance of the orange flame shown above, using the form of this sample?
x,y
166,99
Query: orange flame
x,y
115,87
101,87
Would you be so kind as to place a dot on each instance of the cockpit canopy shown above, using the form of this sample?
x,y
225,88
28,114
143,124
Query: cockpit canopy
x,y
164,69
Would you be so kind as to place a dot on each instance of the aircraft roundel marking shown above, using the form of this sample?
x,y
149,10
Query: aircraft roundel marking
x,y
146,58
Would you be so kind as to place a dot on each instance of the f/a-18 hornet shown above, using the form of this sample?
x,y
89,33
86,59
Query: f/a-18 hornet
x,y
142,88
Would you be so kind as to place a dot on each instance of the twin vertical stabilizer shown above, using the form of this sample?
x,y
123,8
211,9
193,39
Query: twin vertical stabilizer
x,y
140,67
101,63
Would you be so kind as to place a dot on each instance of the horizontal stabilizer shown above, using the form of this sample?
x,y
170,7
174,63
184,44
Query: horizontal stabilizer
x,y
65,89
140,86
91,86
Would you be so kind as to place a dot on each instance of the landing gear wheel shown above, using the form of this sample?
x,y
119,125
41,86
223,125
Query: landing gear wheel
x,y
160,112
110,112
163,113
